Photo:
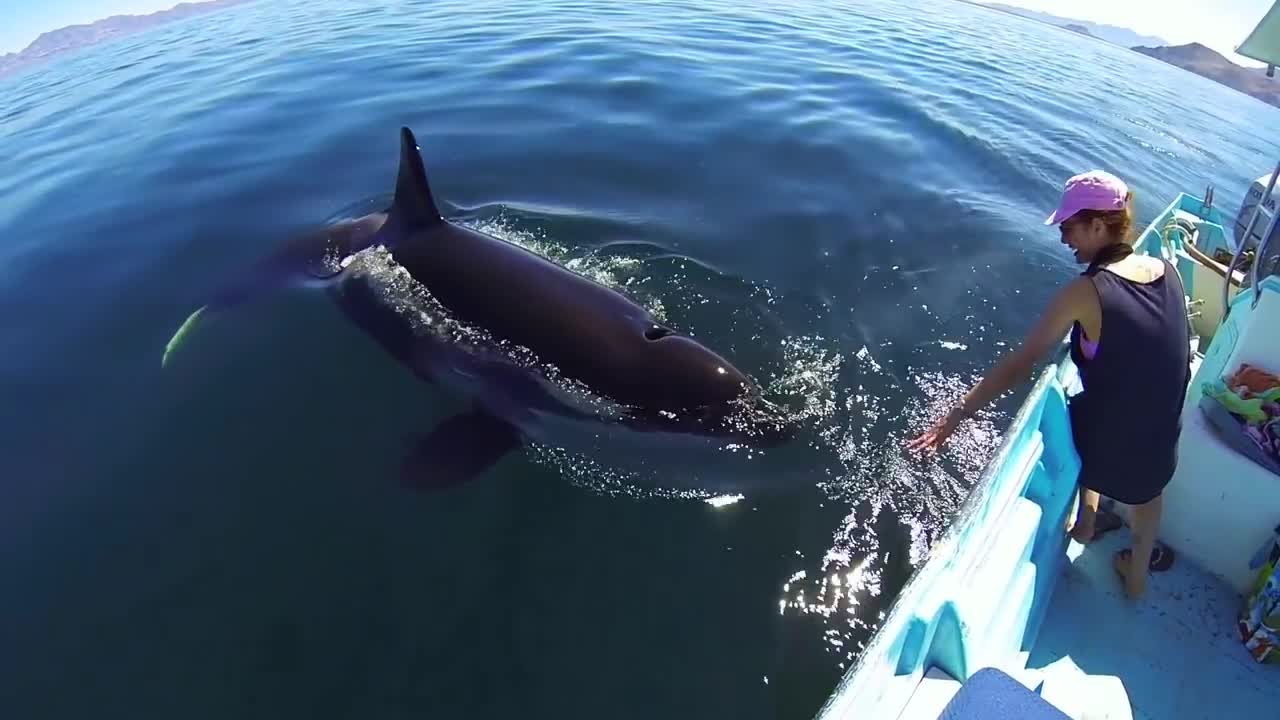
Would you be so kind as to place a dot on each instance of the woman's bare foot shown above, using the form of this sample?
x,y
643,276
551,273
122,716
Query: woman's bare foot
x,y
1084,528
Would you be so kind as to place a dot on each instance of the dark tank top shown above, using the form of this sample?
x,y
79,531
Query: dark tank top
x,y
1127,419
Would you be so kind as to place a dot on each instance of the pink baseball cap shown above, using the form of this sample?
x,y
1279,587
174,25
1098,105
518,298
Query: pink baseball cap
x,y
1093,190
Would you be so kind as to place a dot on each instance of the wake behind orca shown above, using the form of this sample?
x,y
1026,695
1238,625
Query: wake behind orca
x,y
557,354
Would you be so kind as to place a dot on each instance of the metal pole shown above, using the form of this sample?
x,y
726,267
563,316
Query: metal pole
x,y
1248,231
1260,258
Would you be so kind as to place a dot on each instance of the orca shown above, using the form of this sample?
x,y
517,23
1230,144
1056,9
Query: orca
x,y
531,347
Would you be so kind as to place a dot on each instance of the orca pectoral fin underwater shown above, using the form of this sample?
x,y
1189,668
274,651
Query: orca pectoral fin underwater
x,y
313,259
457,450
178,337
317,257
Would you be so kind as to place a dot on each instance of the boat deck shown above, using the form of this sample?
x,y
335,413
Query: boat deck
x,y
1175,651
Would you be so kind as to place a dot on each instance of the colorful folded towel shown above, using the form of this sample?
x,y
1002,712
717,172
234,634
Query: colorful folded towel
x,y
1248,408
1255,379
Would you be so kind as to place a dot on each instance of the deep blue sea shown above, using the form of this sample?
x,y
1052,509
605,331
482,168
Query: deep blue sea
x,y
845,198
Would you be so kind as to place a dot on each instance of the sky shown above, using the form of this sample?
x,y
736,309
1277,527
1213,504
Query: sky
x,y
1220,24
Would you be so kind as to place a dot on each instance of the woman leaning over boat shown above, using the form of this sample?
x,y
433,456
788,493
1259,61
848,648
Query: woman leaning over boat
x,y
1134,367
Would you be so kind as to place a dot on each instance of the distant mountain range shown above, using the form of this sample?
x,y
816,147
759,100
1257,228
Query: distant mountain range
x,y
1110,33
1194,57
68,39
1203,61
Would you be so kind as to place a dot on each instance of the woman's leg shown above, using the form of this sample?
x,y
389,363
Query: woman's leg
x,y
1082,530
1144,525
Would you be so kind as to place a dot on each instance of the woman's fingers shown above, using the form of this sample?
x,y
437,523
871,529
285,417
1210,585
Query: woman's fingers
x,y
927,440
934,437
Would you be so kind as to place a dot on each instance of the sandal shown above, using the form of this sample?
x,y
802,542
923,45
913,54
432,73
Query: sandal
x,y
1161,557
1104,521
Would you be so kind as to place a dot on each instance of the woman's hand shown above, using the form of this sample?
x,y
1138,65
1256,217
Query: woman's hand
x,y
1074,301
934,437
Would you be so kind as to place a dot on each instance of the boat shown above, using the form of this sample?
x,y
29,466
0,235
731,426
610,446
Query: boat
x,y
1008,617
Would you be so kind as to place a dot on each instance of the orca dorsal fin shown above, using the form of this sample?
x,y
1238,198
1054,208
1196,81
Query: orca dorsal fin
x,y
413,205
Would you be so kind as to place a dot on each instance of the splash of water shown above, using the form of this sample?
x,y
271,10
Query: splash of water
x,y
885,489
619,272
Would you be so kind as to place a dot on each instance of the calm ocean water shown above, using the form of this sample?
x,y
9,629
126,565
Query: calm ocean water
x,y
846,198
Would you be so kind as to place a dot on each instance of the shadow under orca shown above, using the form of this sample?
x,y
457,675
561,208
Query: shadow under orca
x,y
555,349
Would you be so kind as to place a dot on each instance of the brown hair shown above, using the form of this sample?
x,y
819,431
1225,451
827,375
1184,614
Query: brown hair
x,y
1119,225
